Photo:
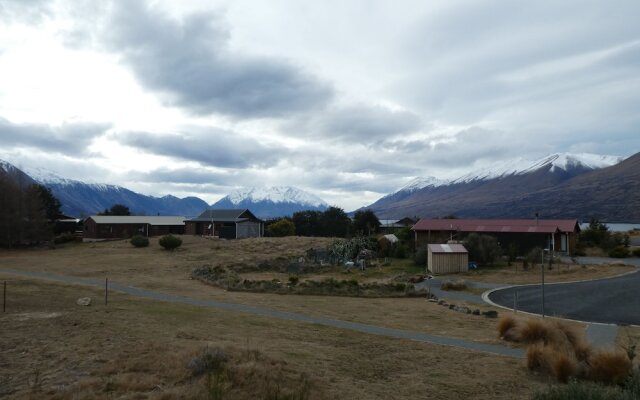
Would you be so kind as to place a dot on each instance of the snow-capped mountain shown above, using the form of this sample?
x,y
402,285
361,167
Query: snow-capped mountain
x,y
499,190
566,162
15,174
272,202
80,199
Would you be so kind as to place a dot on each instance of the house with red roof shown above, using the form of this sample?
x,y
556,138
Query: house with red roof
x,y
557,235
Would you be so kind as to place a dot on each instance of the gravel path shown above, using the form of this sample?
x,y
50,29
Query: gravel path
x,y
353,326
602,334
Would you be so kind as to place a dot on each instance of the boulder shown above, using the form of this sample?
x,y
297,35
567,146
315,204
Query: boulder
x,y
84,301
475,312
490,314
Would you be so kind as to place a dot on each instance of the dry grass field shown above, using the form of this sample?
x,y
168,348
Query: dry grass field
x,y
136,348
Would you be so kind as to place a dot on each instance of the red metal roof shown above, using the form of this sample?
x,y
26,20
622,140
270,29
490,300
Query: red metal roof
x,y
447,248
498,225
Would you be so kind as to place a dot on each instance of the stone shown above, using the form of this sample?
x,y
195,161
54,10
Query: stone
x,y
462,309
432,300
84,301
452,306
442,302
476,312
490,314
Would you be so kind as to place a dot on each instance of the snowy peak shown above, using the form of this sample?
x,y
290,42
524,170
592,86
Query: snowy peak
x,y
276,194
554,162
421,183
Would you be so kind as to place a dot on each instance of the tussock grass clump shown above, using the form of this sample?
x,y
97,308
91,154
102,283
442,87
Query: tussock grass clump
x,y
562,350
609,366
563,366
458,284
506,323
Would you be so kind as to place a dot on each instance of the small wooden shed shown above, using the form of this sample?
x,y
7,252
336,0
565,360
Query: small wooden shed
x,y
447,258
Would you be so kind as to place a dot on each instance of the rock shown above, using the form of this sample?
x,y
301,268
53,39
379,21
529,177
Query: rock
x,y
475,312
84,301
442,302
452,306
432,300
490,314
462,309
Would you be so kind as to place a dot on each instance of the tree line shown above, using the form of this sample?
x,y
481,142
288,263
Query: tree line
x,y
332,222
28,212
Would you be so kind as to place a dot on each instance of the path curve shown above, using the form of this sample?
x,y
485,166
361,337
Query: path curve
x,y
335,323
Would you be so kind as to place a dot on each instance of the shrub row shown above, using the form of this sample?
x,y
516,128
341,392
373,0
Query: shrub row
x,y
230,280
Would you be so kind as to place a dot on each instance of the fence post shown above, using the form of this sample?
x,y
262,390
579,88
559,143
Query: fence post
x,y
106,290
4,297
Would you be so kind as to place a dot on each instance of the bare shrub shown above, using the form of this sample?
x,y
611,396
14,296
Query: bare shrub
x,y
535,330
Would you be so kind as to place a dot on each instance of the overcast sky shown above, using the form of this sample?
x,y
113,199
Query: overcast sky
x,y
346,99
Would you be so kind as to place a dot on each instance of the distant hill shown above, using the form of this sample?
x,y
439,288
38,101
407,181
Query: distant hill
x,y
272,202
560,185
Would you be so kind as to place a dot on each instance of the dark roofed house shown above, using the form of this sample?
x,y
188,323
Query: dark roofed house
x,y
558,235
226,224
125,226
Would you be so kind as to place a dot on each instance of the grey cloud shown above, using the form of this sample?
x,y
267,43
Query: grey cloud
x,y
188,61
69,138
215,148
186,176
355,123
24,10
464,54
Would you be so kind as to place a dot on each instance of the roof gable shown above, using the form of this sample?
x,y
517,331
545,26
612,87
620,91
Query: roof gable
x,y
225,214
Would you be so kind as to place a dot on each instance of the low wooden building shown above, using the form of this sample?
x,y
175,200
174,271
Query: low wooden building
x,y
558,235
447,258
97,227
226,224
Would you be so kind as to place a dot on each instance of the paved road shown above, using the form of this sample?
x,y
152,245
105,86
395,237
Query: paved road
x,y
353,326
614,300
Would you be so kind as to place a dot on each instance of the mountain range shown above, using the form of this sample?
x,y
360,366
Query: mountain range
x,y
561,185
82,199
557,186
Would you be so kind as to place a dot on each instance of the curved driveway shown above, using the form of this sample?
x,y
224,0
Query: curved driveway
x,y
613,300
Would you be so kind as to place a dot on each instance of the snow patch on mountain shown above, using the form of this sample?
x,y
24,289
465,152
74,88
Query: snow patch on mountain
x,y
276,194
521,165
49,178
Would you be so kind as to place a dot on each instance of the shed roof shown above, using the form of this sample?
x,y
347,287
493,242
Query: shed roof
x,y
498,225
447,248
138,219
225,215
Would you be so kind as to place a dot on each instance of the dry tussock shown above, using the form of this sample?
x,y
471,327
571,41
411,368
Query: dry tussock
x,y
562,350
609,366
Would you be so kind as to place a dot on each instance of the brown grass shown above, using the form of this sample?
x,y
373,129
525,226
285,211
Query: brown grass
x,y
137,348
609,366
535,356
457,284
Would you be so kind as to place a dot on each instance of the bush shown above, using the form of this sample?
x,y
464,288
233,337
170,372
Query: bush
x,y
636,252
483,249
170,242
505,324
139,241
281,228
619,252
63,238
420,257
458,284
